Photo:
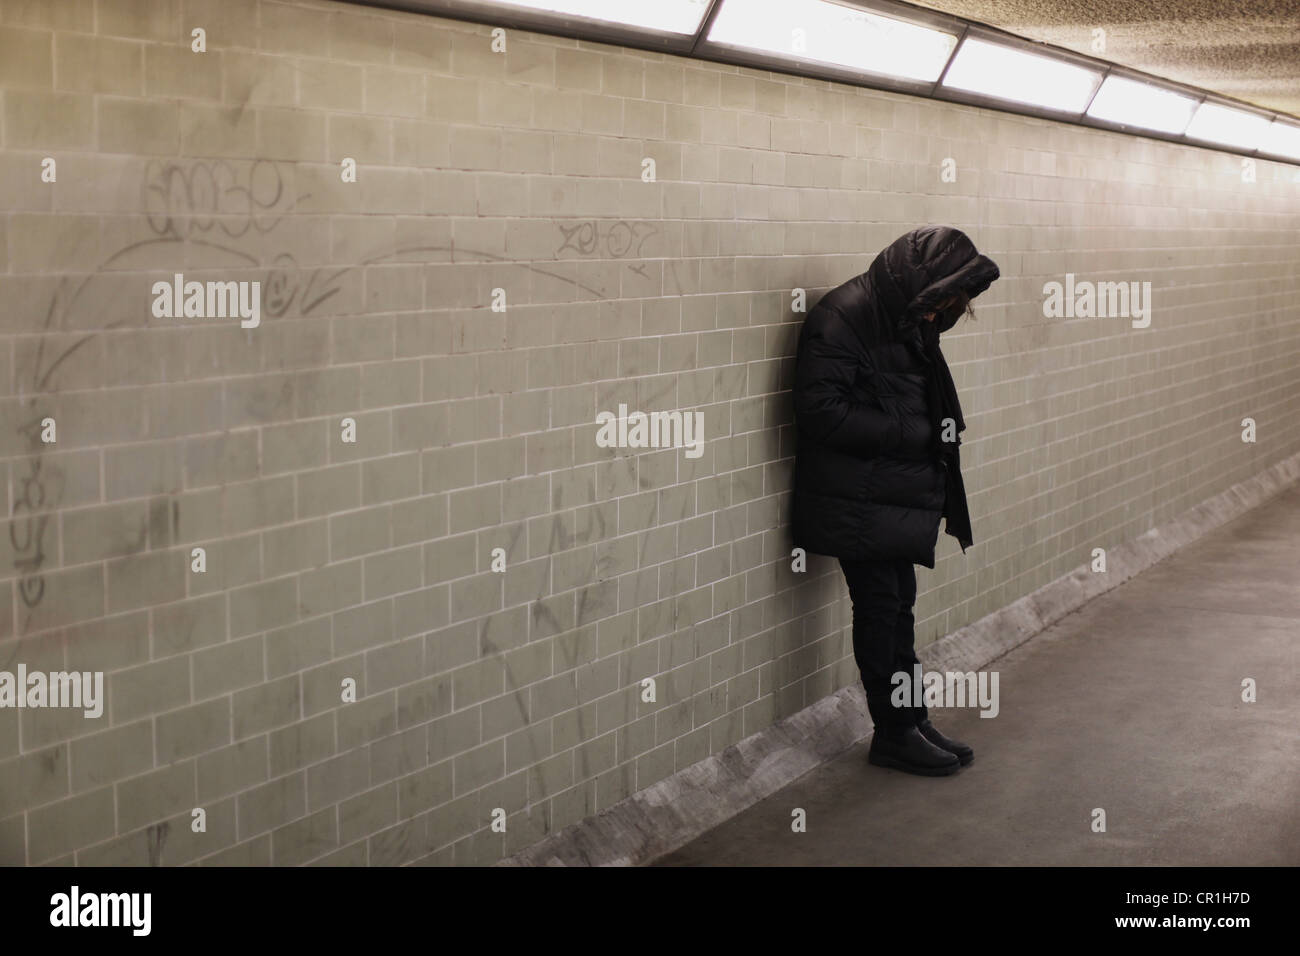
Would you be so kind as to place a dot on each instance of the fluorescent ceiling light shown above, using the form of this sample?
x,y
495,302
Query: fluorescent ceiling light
x,y
1008,73
1282,139
670,16
1135,103
1223,124
825,32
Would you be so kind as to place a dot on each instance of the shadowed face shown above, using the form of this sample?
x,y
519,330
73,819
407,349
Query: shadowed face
x,y
950,308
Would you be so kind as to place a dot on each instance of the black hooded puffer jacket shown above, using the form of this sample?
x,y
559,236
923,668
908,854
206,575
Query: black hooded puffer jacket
x,y
868,482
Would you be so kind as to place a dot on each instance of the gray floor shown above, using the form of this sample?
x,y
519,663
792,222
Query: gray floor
x,y
1132,704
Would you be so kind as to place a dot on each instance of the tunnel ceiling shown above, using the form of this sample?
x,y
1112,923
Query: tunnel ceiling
x,y
1247,49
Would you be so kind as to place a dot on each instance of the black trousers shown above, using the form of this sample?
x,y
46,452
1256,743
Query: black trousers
x,y
884,638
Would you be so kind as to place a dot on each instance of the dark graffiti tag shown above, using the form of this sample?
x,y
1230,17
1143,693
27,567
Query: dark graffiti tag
x,y
619,240
183,200
284,284
31,513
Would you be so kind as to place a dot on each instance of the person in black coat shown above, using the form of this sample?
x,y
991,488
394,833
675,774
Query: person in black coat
x,y
877,465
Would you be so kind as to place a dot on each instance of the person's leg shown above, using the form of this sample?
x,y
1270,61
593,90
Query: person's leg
x,y
905,658
874,590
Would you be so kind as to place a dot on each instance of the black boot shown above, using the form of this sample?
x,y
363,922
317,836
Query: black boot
x,y
955,747
907,750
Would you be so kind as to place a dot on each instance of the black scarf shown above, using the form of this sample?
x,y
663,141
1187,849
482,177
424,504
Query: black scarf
x,y
944,405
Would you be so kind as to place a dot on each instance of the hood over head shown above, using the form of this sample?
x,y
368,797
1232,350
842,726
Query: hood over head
x,y
922,268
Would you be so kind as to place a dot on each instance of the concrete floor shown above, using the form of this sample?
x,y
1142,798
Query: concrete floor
x,y
1132,704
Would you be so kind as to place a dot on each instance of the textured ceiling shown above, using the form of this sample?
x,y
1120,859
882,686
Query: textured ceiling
x,y
1247,49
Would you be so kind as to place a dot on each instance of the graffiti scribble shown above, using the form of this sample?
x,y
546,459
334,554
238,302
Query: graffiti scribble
x,y
181,200
619,241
